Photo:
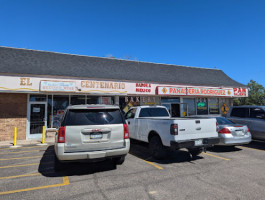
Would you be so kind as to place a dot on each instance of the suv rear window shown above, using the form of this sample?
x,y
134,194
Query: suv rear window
x,y
75,117
240,112
153,112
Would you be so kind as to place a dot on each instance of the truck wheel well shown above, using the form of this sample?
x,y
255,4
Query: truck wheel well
x,y
152,134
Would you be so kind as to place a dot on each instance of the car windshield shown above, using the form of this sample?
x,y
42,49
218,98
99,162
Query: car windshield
x,y
223,121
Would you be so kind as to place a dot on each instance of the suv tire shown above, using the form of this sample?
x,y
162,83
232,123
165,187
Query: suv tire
x,y
195,151
157,149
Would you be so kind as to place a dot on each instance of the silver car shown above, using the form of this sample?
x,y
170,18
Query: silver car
x,y
232,134
91,132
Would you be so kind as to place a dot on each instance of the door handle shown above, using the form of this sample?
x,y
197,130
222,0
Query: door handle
x,y
129,122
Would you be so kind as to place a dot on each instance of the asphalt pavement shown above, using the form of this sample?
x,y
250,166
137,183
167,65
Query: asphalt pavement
x,y
220,173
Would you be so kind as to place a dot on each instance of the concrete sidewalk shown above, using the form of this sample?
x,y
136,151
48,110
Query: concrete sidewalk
x,y
48,140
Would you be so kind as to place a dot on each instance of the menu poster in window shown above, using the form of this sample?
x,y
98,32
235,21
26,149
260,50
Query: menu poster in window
x,y
106,100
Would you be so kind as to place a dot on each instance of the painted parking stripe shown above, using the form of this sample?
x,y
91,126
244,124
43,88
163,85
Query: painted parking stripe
x,y
18,176
209,154
155,165
65,182
150,163
21,158
10,166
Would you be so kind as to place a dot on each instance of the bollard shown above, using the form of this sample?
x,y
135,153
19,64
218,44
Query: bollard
x,y
43,135
15,137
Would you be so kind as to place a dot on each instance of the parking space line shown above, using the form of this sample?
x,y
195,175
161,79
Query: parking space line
x,y
9,166
19,152
21,158
18,176
216,156
252,148
151,163
65,182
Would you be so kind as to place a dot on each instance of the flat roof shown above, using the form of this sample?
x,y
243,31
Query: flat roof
x,y
44,63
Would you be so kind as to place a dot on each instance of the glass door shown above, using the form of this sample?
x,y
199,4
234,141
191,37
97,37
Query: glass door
x,y
37,119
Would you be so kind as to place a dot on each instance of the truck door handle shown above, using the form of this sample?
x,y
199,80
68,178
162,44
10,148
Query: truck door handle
x,y
129,122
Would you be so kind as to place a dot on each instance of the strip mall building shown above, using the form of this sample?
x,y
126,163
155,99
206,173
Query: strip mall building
x,y
36,87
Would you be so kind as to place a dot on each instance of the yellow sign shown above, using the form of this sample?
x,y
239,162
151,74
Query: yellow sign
x,y
224,109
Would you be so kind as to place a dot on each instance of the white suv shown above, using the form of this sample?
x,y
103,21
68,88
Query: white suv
x,y
91,132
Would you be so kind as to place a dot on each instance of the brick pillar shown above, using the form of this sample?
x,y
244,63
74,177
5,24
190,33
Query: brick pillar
x,y
13,112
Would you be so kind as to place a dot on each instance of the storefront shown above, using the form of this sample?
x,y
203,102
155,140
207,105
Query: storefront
x,y
30,100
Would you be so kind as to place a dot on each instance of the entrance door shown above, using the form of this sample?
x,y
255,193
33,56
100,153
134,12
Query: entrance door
x,y
37,119
175,110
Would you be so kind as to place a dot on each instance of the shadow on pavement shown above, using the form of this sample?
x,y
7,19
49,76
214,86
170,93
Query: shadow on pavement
x,y
256,144
46,166
224,149
140,150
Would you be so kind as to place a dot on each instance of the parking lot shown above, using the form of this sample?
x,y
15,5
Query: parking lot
x,y
221,173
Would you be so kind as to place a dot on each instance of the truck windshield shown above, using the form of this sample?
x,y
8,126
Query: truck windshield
x,y
79,117
153,112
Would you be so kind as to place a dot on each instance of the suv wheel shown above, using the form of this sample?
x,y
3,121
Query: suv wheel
x,y
119,160
195,151
157,149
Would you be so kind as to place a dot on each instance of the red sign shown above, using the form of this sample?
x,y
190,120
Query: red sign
x,y
240,92
171,90
143,87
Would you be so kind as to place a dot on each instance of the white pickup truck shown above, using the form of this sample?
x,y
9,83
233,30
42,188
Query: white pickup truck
x,y
153,124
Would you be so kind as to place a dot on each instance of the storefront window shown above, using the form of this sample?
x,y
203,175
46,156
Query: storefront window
x,y
202,106
92,100
60,103
78,99
107,100
49,113
191,108
213,106
170,100
37,97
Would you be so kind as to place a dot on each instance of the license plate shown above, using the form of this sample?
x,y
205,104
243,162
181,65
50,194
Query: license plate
x,y
240,133
96,136
198,142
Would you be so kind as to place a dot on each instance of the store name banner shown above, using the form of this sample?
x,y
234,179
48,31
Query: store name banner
x,y
54,86
190,91
102,87
171,91
209,92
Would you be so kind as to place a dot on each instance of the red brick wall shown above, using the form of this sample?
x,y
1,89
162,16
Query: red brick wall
x,y
13,112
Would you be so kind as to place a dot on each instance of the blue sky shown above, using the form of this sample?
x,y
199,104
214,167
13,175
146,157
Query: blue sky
x,y
224,34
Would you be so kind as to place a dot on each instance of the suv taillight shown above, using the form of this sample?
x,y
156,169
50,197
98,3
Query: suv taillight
x,y
224,131
217,126
126,131
61,135
174,129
